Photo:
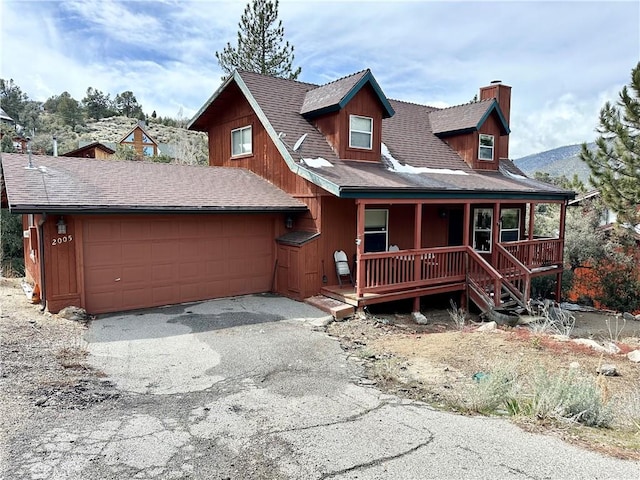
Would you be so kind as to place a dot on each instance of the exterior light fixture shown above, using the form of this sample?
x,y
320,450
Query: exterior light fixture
x,y
288,222
62,226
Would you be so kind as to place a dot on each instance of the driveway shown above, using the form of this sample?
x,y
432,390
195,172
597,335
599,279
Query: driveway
x,y
249,388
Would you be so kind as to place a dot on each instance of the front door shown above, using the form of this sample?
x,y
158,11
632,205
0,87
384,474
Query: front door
x,y
456,232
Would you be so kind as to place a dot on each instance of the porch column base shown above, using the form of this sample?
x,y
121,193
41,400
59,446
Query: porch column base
x,y
416,304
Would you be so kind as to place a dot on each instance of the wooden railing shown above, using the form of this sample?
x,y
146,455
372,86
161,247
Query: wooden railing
x,y
391,271
544,252
483,278
515,276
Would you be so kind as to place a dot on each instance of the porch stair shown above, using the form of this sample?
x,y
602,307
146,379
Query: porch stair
x,y
336,308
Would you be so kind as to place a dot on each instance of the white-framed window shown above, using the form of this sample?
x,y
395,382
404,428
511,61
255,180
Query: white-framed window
x,y
485,151
241,141
360,132
375,230
510,225
482,229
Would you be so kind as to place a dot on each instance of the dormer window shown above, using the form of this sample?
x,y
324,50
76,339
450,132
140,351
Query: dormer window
x,y
241,141
360,132
485,152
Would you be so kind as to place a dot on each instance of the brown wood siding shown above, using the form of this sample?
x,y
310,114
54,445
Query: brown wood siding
x,y
465,145
61,274
338,233
335,126
298,270
490,127
502,93
143,261
265,159
101,154
31,250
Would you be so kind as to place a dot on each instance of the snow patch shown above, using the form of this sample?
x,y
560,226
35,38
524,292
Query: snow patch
x,y
514,175
396,166
317,162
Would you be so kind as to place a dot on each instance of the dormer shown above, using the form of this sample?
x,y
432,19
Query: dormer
x,y
349,113
477,131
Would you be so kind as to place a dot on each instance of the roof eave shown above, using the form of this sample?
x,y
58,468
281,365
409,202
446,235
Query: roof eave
x,y
388,110
417,193
495,107
133,209
192,123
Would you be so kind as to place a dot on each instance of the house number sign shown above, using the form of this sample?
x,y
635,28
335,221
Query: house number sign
x,y
61,240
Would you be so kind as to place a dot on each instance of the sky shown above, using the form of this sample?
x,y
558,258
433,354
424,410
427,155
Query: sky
x,y
564,60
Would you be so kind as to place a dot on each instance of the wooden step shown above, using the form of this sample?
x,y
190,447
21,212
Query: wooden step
x,y
338,309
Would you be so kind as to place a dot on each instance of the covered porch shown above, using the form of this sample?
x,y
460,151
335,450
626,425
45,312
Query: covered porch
x,y
484,248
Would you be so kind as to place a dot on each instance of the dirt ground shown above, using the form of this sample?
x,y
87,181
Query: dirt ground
x,y
436,363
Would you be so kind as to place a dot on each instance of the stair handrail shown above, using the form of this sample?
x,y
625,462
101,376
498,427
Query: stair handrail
x,y
496,277
524,294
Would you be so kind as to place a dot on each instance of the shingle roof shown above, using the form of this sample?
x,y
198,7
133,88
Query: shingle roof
x,y
408,135
465,117
89,146
58,184
335,95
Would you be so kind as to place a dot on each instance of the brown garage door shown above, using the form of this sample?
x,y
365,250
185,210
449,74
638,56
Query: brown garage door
x,y
144,261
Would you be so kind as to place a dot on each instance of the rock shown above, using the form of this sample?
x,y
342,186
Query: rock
x,y
634,356
419,318
628,317
607,370
637,317
321,321
488,327
76,314
574,365
611,348
590,343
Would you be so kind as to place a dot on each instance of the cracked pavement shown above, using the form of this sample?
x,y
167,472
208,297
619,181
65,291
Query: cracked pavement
x,y
247,388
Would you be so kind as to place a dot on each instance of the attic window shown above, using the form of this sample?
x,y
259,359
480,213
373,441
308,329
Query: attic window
x,y
241,141
485,151
360,132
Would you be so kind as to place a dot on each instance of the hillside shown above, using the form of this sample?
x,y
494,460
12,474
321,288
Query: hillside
x,y
559,161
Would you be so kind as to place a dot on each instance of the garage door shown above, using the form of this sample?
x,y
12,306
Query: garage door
x,y
145,261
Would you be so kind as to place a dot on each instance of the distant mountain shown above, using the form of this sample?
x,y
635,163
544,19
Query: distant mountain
x,y
559,161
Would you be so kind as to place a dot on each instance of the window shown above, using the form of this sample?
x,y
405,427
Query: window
x,y
375,230
510,225
129,138
482,231
486,147
241,141
360,132
147,151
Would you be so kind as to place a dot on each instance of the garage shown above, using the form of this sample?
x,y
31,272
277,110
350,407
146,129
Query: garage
x,y
112,236
142,261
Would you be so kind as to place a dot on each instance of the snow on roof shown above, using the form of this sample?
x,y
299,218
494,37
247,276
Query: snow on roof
x,y
317,162
396,166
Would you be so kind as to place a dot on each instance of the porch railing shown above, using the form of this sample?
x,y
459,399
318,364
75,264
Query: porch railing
x,y
405,269
515,276
544,252
483,279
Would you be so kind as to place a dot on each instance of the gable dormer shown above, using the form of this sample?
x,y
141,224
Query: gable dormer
x,y
477,131
349,113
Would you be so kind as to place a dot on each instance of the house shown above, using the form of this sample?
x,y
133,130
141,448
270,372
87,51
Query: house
x,y
92,150
422,201
375,172
139,139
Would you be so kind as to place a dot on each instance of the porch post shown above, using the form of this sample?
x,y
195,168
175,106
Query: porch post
x,y
360,267
495,229
532,209
560,254
466,224
417,244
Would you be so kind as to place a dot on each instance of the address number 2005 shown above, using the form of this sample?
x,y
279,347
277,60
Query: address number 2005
x,y
61,240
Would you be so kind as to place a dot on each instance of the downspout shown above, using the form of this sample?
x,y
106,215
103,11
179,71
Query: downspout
x,y
43,297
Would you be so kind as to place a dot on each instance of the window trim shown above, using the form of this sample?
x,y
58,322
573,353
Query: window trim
x,y
489,229
384,229
517,229
241,130
353,130
492,147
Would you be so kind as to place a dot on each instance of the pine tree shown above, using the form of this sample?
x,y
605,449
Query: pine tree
x,y
615,163
260,44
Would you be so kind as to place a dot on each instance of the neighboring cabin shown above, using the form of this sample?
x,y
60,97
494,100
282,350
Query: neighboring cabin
x,y
422,201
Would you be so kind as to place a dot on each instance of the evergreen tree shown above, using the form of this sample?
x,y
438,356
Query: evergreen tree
x,y
97,104
260,44
615,163
126,104
12,99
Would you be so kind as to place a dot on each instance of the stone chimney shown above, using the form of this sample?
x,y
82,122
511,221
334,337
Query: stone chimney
x,y
502,93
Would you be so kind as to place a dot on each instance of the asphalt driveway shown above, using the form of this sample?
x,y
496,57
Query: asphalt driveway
x,y
248,388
